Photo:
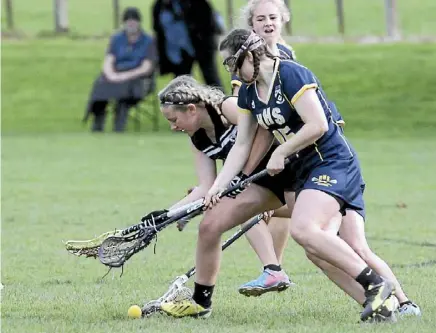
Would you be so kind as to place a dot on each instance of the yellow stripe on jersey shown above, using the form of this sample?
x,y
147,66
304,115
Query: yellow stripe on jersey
x,y
341,123
236,83
244,111
317,150
302,90
286,97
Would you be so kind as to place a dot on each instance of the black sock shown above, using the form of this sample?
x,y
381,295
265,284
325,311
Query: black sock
x,y
203,295
276,268
406,302
367,277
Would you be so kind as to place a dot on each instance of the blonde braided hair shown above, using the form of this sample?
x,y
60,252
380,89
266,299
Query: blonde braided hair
x,y
184,90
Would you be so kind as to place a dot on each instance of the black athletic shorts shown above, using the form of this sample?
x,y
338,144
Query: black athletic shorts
x,y
280,183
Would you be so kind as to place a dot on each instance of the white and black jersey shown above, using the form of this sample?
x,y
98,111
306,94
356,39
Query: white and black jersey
x,y
225,137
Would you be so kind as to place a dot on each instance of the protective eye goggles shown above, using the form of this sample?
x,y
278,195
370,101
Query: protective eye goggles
x,y
234,62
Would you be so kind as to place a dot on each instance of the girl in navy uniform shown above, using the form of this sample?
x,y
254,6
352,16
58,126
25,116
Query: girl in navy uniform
x,y
247,204
266,18
287,99
352,227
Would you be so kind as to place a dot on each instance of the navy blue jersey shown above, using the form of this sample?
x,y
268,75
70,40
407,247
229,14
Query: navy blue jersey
x,y
278,114
286,52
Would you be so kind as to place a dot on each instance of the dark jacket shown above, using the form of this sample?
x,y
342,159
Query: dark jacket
x,y
202,28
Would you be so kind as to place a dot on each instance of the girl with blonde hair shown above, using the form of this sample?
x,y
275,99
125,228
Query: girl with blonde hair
x,y
210,119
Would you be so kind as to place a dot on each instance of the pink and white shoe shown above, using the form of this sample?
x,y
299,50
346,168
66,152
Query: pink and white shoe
x,y
268,281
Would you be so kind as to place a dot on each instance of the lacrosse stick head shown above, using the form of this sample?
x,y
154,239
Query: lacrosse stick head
x,y
116,250
88,248
176,292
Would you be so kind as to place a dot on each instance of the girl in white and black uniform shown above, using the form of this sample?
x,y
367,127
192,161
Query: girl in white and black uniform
x,y
210,119
224,137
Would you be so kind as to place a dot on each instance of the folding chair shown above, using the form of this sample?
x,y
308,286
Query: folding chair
x,y
148,107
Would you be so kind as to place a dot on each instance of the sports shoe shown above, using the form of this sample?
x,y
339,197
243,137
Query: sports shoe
x,y
186,308
409,310
376,297
268,281
387,312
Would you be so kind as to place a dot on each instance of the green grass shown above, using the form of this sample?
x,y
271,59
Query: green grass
x,y
72,186
311,17
60,182
46,84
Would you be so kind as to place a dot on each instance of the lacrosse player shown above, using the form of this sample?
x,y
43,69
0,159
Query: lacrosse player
x,y
210,120
287,99
266,18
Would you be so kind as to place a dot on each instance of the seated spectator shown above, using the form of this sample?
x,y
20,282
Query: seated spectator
x,y
129,62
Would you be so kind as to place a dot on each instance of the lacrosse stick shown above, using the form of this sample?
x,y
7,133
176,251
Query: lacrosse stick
x,y
89,248
116,250
177,290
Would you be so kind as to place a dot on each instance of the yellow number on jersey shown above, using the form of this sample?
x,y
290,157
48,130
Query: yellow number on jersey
x,y
283,134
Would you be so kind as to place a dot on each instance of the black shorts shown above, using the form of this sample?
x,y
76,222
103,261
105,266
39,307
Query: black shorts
x,y
280,183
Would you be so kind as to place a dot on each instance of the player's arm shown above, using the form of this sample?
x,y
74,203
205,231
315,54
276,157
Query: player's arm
x,y
205,169
310,110
239,153
262,141
300,86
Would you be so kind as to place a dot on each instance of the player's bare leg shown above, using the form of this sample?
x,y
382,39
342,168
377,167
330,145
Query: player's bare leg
x,y
280,228
265,252
350,285
336,275
272,277
307,229
353,232
227,214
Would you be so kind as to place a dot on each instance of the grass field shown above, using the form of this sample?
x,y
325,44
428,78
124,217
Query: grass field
x,y
60,182
46,84
310,17
63,186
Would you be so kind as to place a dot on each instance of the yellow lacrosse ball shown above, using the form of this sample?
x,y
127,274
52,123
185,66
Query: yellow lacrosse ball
x,y
134,312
